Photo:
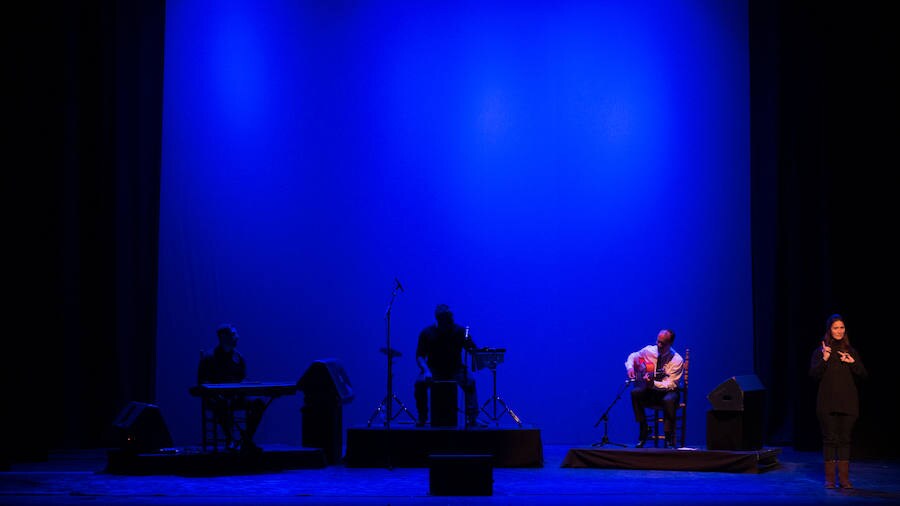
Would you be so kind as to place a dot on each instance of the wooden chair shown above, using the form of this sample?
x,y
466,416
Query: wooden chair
x,y
656,421
215,436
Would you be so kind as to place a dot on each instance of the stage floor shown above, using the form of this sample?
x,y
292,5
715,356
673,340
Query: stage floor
x,y
78,478
193,461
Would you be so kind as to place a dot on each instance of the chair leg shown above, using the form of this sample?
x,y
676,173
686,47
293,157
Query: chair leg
x,y
655,428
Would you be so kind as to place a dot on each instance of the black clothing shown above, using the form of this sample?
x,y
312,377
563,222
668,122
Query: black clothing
x,y
837,382
644,396
229,367
837,429
442,347
221,367
837,401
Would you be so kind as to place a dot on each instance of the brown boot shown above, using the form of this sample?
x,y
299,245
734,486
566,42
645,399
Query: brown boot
x,y
829,474
843,468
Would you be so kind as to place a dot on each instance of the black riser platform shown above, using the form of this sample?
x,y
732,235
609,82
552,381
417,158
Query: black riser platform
x,y
411,447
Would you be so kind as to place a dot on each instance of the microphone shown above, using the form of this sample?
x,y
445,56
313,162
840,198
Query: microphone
x,y
398,285
629,380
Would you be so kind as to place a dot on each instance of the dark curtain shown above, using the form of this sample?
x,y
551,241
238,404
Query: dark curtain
x,y
824,111
87,113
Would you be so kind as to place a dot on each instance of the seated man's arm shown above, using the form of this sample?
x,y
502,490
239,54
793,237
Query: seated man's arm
x,y
629,362
423,368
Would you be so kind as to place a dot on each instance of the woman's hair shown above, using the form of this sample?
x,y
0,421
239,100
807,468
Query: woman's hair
x,y
844,343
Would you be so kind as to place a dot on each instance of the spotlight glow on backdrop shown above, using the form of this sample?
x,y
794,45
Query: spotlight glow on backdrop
x,y
568,178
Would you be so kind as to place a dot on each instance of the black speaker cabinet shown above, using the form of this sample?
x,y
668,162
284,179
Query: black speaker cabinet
x,y
733,430
322,427
326,381
460,474
140,428
444,399
735,421
737,393
326,388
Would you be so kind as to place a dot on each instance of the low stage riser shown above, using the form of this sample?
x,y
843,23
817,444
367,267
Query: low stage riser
x,y
411,447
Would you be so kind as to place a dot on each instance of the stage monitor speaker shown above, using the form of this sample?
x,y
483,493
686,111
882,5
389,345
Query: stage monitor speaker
x,y
738,393
326,381
140,428
460,474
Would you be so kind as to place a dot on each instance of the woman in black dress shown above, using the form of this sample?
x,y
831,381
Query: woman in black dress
x,y
837,366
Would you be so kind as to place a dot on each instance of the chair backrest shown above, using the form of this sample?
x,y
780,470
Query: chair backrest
x,y
681,416
682,436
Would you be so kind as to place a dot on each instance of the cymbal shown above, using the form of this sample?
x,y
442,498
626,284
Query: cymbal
x,y
390,352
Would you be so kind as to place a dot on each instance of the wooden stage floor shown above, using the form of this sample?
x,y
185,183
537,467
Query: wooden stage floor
x,y
78,477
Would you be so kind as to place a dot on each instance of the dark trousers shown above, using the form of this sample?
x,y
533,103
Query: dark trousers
x,y
463,379
643,397
837,429
225,409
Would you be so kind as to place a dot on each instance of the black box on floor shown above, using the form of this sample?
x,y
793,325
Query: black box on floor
x,y
461,474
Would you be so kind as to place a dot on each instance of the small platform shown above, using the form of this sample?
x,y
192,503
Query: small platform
x,y
195,462
684,459
409,446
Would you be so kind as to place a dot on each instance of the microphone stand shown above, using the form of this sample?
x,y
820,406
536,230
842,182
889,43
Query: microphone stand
x,y
469,349
605,419
390,375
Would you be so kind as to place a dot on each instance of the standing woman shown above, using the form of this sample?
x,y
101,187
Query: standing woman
x,y
837,366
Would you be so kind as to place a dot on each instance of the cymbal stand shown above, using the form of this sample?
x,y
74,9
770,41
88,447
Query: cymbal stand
x,y
605,419
384,409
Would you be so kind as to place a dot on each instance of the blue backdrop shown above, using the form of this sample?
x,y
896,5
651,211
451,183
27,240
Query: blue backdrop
x,y
569,178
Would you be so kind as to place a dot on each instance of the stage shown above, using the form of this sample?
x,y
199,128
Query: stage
x,y
410,446
682,459
78,478
192,461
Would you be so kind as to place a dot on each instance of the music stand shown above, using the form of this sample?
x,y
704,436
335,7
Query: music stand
x,y
605,419
385,409
490,358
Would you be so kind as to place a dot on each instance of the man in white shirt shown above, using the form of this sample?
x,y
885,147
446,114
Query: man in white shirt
x,y
655,371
